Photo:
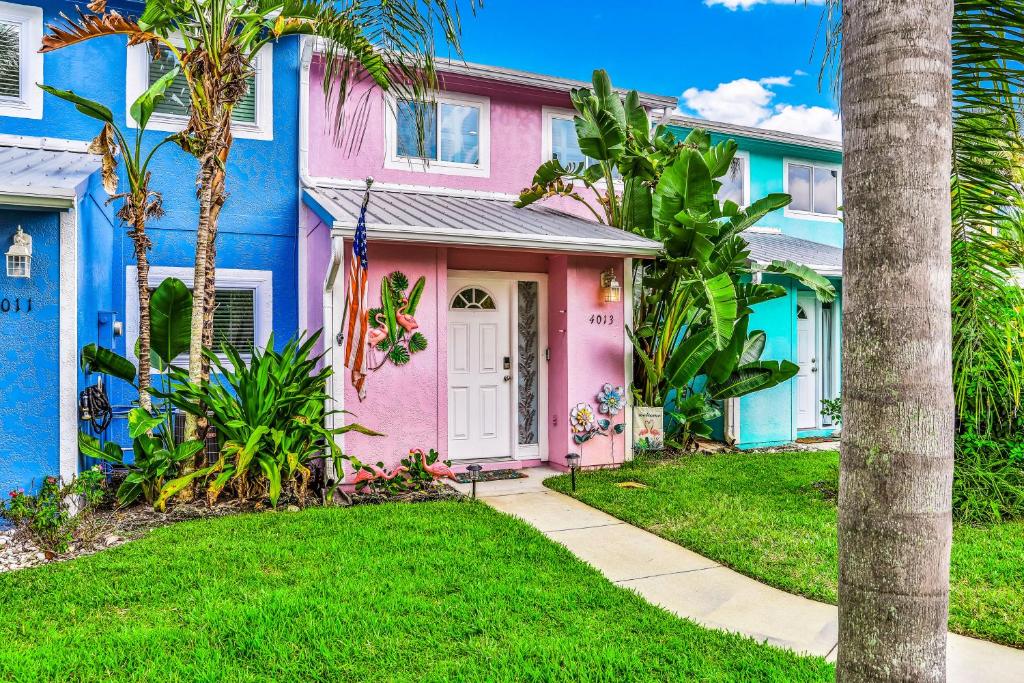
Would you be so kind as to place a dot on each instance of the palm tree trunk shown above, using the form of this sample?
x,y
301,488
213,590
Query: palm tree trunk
x,y
142,246
897,443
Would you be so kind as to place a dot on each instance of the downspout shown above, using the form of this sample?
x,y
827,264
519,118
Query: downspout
x,y
305,60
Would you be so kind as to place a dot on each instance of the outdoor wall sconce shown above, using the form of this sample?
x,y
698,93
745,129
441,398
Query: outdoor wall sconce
x,y
19,256
611,290
474,476
573,461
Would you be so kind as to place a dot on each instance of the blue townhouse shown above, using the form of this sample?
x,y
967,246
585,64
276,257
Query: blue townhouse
x,y
79,285
68,273
799,327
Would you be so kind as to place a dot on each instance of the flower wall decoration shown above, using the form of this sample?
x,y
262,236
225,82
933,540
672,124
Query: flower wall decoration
x,y
610,399
582,419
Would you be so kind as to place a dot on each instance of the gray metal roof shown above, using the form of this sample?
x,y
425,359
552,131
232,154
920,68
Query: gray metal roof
x,y
767,246
756,133
429,216
42,171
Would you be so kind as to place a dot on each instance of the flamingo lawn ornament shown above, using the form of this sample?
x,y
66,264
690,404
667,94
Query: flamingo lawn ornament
x,y
404,319
375,473
438,470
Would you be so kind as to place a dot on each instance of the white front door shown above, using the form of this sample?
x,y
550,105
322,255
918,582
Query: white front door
x,y
479,369
807,410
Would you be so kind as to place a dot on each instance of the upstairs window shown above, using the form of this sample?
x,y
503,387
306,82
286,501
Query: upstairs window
x,y
448,135
176,99
561,142
814,188
252,117
21,66
736,181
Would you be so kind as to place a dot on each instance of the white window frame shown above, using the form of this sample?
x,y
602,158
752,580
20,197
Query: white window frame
x,y
392,161
261,282
137,80
812,215
546,153
30,33
741,154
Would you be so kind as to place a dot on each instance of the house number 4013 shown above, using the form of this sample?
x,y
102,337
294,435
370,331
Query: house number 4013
x,y
598,319
15,305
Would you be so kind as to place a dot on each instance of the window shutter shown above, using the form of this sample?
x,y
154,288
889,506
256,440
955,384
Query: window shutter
x,y
234,319
10,60
176,100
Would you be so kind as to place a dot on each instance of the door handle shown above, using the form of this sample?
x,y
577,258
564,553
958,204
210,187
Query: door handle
x,y
508,378
814,369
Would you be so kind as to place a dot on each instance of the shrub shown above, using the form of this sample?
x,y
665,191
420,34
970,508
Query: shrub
x,y
988,479
832,408
269,415
47,516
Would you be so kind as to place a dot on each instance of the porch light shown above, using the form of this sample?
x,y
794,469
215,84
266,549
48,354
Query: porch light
x,y
573,461
19,256
474,476
611,290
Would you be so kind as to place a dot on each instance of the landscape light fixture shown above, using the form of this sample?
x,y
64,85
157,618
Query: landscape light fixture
x,y
573,461
611,290
474,476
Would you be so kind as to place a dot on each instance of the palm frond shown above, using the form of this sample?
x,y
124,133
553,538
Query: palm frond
x,y
68,31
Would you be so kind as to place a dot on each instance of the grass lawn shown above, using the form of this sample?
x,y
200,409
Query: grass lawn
x,y
450,591
757,514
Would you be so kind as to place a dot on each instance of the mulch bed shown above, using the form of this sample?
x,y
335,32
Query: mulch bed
x,y
492,475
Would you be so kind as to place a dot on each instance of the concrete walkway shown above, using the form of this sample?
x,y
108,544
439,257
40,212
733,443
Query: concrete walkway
x,y
704,591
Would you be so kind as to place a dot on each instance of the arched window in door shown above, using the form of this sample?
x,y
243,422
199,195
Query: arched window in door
x,y
473,298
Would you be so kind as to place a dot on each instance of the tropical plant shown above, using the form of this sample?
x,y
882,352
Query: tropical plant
x,y
896,464
691,346
139,203
988,479
216,43
269,415
47,516
410,474
832,408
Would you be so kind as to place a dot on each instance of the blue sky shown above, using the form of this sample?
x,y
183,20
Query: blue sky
x,y
752,62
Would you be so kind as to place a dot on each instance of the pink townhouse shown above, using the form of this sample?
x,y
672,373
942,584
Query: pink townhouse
x,y
507,318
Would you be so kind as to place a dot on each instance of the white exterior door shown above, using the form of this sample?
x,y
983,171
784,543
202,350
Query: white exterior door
x,y
479,369
807,409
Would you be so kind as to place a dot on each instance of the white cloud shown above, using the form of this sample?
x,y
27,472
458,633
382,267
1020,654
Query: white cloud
x,y
747,4
799,72
747,102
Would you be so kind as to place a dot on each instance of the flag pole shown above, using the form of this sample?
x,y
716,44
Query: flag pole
x,y
362,209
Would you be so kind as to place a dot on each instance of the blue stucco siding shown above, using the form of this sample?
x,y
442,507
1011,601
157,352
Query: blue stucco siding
x,y
29,343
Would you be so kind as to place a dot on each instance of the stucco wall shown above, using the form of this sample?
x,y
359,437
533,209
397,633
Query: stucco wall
x,y
29,411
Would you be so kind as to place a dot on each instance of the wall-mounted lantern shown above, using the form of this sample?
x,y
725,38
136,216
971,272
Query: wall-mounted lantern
x,y
611,290
19,256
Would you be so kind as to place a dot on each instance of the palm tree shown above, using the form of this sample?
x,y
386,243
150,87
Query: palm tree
x,y
388,41
895,525
139,202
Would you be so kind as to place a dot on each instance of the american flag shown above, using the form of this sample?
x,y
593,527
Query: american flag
x,y
356,310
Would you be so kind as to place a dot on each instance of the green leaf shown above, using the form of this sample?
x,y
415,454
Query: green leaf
x,y
89,446
688,358
129,491
417,342
399,282
140,422
86,106
174,486
170,311
823,289
98,359
390,310
415,294
721,298
754,377
753,347
144,106
398,355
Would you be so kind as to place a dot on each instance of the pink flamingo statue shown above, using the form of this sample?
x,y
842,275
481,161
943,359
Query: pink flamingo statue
x,y
376,335
377,473
438,470
404,319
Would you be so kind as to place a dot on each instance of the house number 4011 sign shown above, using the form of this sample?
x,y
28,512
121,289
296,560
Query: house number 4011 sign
x,y
602,319
16,305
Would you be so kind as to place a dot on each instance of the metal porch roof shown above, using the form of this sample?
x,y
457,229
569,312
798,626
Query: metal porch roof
x,y
43,172
432,217
768,245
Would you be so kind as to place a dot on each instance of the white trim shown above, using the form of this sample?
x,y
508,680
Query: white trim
x,y
432,235
68,344
260,281
732,129
45,143
805,299
392,161
811,215
627,314
334,299
137,81
314,182
547,115
527,451
29,20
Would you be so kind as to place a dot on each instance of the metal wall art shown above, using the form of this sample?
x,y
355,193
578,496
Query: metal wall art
x,y
393,329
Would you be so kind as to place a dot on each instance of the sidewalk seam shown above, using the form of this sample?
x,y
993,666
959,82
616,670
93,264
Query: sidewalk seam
x,y
681,571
